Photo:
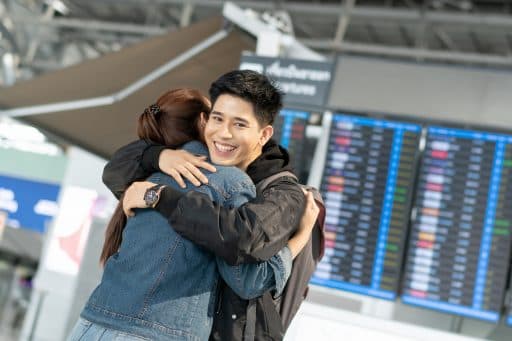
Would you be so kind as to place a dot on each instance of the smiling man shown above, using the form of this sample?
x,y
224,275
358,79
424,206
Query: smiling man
x,y
238,132
233,133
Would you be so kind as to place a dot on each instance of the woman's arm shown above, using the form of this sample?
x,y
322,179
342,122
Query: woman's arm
x,y
252,280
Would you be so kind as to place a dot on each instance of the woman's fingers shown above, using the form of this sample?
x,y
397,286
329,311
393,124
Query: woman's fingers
x,y
312,204
310,213
197,174
201,162
188,174
176,176
307,222
181,164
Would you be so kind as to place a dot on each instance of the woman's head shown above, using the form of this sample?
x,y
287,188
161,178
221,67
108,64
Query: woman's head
x,y
175,118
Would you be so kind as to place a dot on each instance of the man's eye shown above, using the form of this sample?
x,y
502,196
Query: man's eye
x,y
240,125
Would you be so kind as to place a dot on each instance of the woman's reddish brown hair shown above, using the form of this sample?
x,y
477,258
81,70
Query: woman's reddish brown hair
x,y
174,121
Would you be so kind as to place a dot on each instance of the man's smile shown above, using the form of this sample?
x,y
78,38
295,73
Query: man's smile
x,y
224,147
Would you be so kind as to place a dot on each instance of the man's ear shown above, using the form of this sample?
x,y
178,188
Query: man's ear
x,y
202,120
266,134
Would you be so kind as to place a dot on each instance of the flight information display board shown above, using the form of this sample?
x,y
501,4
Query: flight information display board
x,y
367,181
290,132
460,238
509,317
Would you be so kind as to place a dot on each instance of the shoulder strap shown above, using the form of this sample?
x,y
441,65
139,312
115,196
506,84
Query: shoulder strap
x,y
267,181
250,324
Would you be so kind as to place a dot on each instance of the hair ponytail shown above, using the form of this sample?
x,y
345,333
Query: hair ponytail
x,y
147,127
114,233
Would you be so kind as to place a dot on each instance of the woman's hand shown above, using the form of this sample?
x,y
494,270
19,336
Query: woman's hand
x,y
180,163
134,197
301,237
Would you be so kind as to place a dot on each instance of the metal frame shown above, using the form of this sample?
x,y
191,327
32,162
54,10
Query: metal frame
x,y
123,93
398,28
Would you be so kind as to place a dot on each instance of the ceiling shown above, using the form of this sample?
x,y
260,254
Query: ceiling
x,y
85,105
40,36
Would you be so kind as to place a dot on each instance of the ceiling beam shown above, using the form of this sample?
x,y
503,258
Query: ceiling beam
x,y
95,25
413,53
333,10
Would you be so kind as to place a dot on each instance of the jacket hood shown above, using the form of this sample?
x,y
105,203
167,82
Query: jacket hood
x,y
273,159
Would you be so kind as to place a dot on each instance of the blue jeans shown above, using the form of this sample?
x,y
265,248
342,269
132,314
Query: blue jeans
x,y
87,331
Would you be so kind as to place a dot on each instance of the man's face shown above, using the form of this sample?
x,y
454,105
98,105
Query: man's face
x,y
232,133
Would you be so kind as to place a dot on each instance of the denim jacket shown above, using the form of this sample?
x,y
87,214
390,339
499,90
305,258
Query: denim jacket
x,y
162,286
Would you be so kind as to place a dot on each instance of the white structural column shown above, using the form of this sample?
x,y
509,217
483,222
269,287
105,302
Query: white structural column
x,y
59,284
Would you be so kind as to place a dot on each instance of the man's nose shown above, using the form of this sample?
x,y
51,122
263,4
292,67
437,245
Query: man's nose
x,y
225,132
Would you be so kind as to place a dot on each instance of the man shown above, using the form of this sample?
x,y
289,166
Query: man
x,y
238,131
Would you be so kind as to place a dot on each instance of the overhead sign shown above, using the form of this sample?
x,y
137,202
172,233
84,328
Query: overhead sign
x,y
28,204
303,81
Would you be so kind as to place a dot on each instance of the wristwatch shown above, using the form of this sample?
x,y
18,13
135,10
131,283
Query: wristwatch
x,y
152,195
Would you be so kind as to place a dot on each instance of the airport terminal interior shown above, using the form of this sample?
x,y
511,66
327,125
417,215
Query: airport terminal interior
x,y
398,111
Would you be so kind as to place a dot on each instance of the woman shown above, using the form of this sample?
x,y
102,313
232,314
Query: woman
x,y
157,285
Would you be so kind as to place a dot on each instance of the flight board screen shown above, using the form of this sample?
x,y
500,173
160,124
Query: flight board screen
x,y
290,132
459,246
366,184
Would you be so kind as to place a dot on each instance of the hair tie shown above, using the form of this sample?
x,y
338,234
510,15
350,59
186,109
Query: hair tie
x,y
153,109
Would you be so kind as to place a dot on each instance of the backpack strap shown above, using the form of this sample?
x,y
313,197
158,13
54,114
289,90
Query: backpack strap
x,y
267,181
250,322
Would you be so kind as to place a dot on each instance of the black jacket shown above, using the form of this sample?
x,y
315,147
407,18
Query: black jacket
x,y
253,232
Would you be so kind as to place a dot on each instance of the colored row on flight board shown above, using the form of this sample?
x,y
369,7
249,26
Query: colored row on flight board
x,y
460,228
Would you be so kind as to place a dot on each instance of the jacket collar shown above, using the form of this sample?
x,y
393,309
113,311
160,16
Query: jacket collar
x,y
273,159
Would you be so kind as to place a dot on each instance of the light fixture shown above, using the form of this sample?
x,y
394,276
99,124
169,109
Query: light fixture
x,y
15,135
59,6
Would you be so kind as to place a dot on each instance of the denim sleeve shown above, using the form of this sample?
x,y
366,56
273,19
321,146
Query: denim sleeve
x,y
252,280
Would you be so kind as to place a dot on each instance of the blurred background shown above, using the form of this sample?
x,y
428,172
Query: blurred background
x,y
398,110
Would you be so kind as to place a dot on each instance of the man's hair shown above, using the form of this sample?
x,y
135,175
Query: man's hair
x,y
258,89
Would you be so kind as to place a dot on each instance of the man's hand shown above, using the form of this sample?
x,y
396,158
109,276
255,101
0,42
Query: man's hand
x,y
178,163
134,197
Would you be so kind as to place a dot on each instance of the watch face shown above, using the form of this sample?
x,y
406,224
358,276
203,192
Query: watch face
x,y
150,197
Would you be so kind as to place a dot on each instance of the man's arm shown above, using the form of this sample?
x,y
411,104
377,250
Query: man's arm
x,y
135,161
254,232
